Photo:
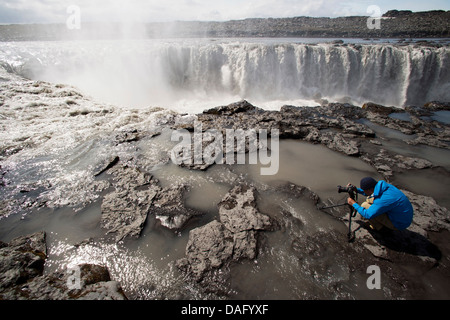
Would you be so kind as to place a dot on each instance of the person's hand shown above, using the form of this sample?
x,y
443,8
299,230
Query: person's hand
x,y
350,201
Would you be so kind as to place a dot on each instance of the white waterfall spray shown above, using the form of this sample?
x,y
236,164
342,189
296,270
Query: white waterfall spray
x,y
157,72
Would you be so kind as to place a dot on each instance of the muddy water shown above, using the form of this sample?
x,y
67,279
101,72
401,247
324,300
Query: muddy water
x,y
430,182
433,182
314,166
282,270
395,141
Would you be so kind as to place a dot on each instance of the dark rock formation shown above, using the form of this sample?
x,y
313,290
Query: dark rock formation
x,y
137,194
21,275
399,24
326,125
232,238
95,284
169,207
209,246
238,211
125,210
379,109
437,106
21,260
339,127
106,165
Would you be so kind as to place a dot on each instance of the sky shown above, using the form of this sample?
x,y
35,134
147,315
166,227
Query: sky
x,y
55,11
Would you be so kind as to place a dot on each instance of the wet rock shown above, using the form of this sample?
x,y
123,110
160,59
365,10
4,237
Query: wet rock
x,y
299,192
326,259
404,162
336,125
95,284
437,105
433,140
405,127
209,247
127,136
237,107
386,163
125,213
425,129
238,211
106,165
137,194
232,238
22,263
133,135
337,142
187,157
428,215
305,123
379,109
169,207
345,110
2,173
21,260
125,210
356,129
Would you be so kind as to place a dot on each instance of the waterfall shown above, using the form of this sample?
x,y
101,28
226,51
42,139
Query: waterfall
x,y
162,72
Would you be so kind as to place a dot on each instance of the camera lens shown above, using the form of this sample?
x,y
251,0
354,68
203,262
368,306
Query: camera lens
x,y
344,189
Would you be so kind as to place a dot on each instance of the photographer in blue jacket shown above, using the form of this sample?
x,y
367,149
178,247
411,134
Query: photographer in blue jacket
x,y
386,206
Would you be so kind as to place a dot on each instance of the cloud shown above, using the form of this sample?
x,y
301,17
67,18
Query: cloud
x,y
34,11
50,11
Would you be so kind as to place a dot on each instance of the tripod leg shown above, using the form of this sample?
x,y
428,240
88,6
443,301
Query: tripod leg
x,y
334,206
351,234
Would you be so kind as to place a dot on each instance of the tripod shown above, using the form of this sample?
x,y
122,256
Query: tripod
x,y
352,213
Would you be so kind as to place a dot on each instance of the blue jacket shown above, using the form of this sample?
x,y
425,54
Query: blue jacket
x,y
388,199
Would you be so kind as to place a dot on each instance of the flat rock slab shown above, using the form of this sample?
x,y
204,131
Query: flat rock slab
x,y
137,194
125,210
238,211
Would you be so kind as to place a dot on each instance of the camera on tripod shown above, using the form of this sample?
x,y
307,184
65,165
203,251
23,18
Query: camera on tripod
x,y
350,189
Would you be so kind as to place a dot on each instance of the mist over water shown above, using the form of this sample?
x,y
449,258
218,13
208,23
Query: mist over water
x,y
190,75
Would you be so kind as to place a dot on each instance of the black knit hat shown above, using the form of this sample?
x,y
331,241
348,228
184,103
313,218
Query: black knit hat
x,y
368,183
